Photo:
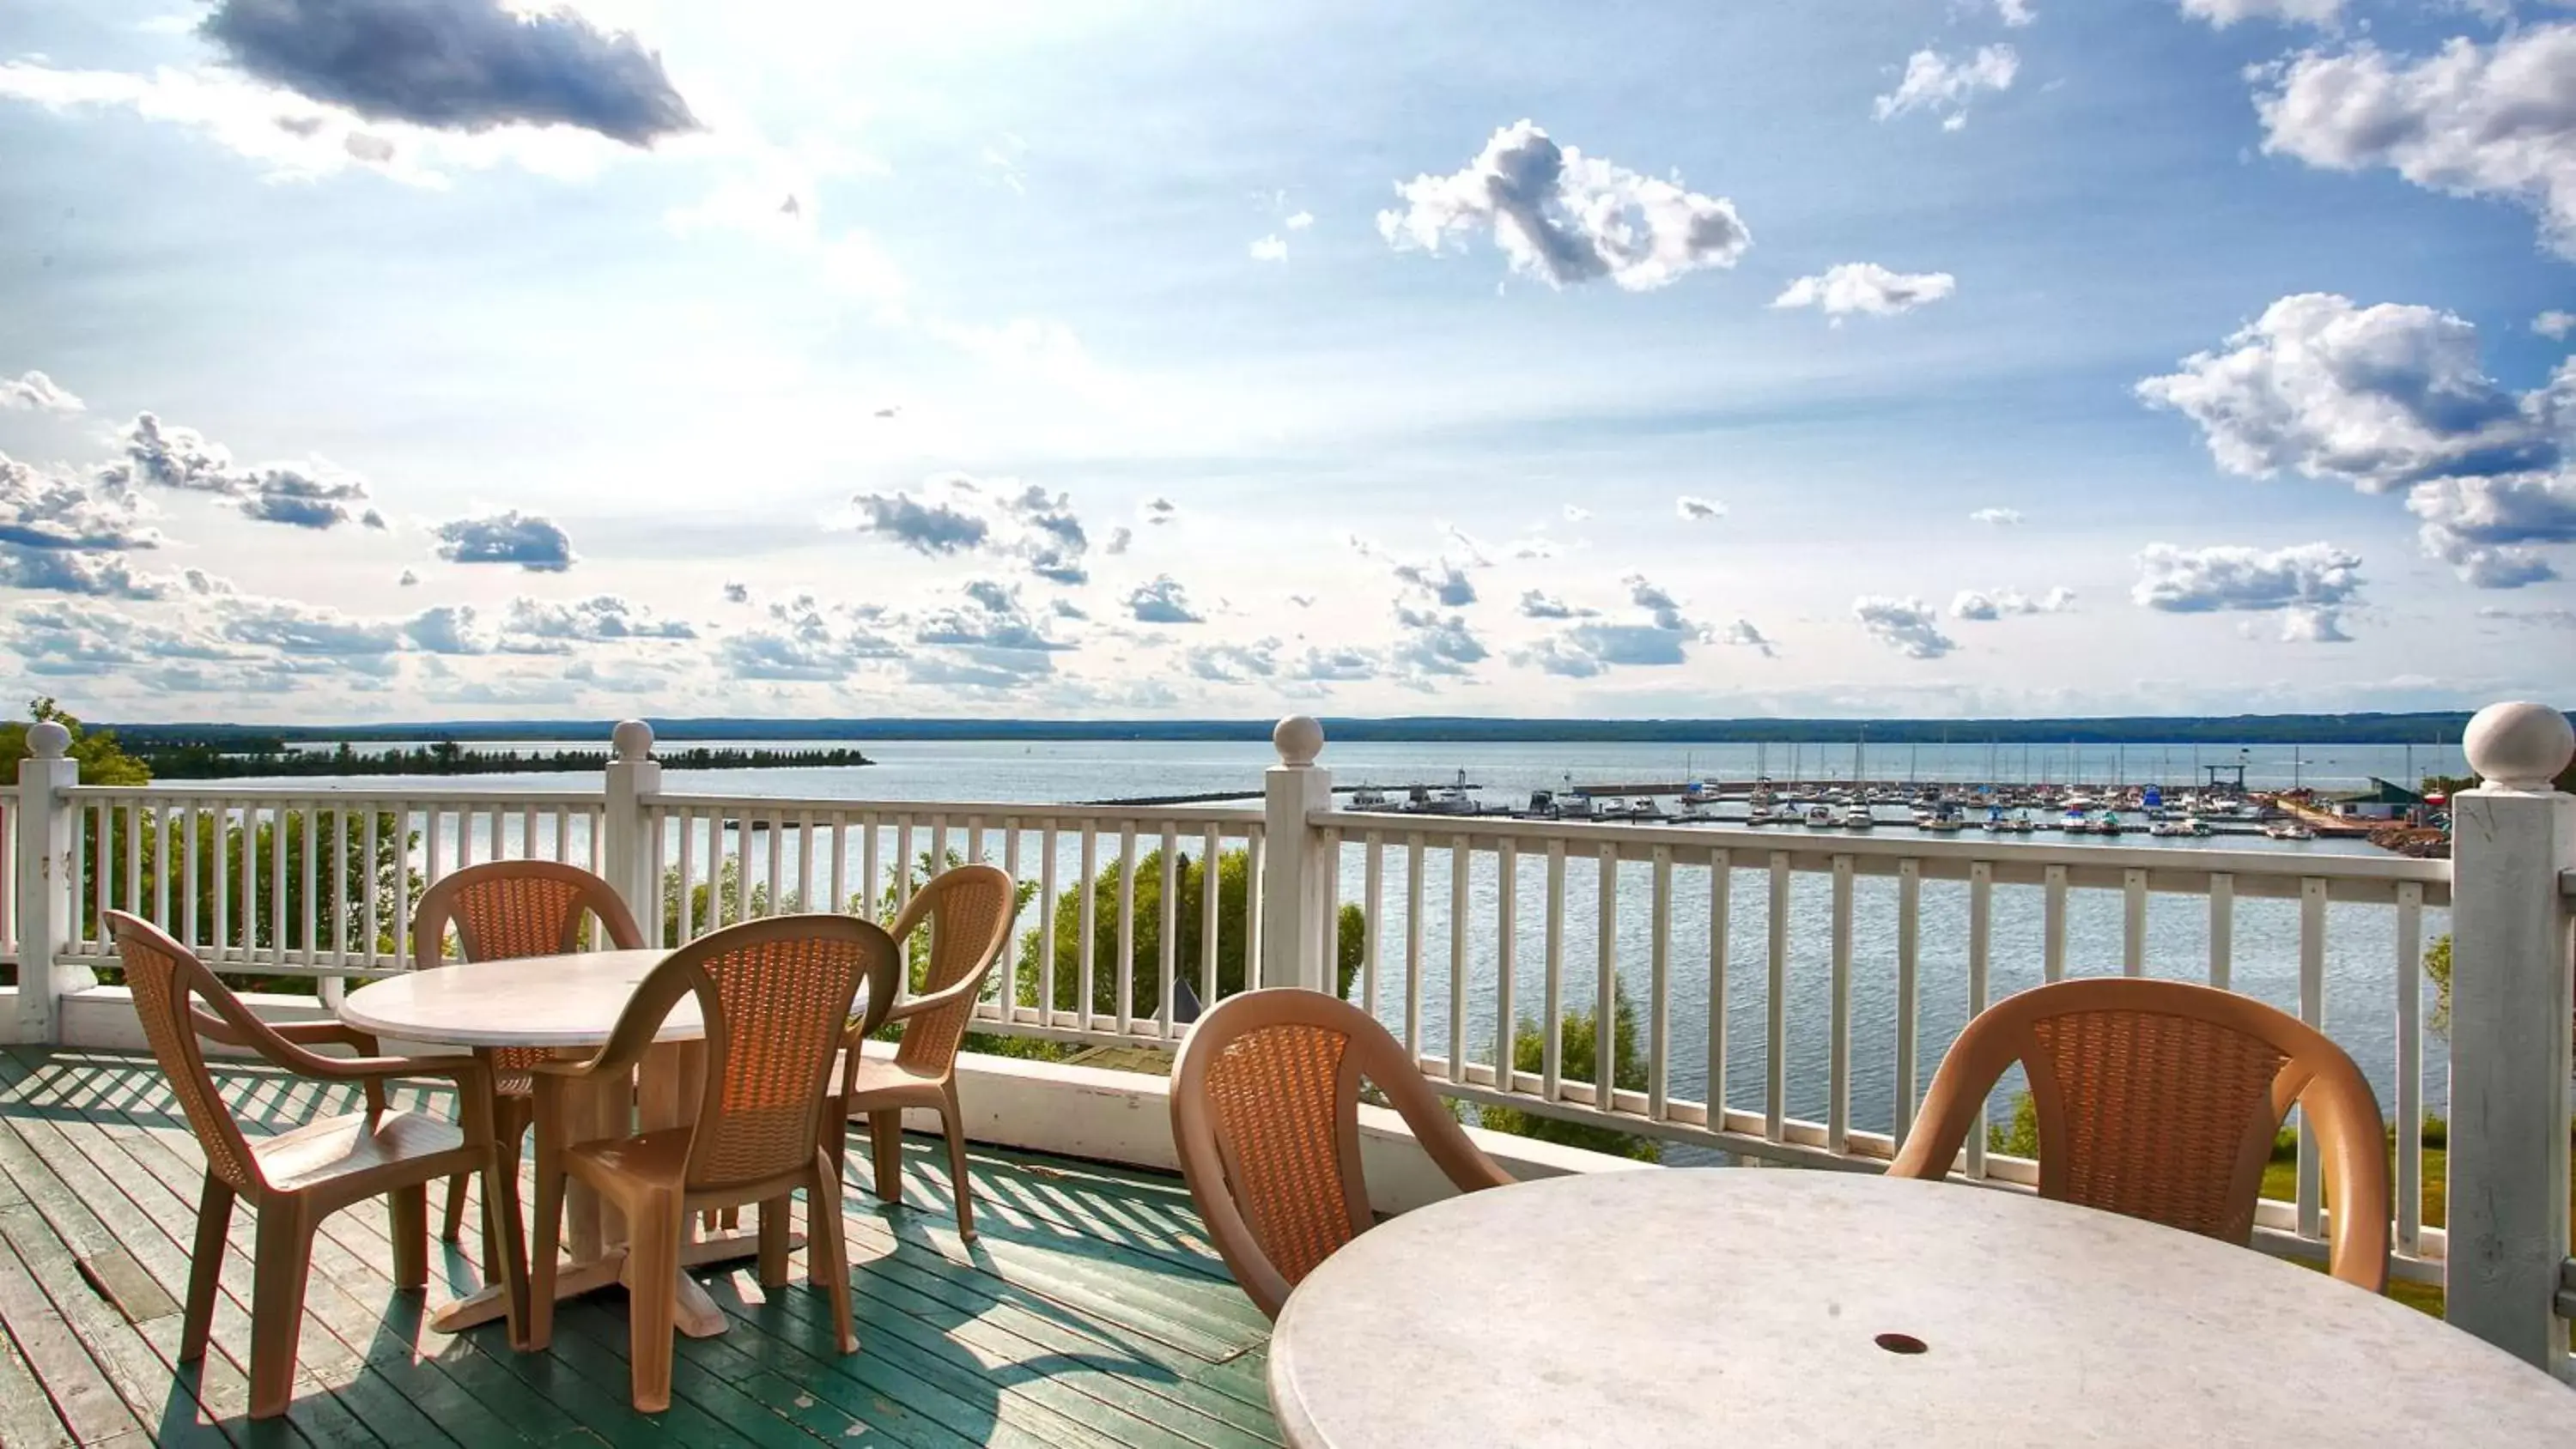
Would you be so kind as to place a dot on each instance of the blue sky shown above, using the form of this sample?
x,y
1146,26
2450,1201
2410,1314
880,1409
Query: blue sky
x,y
1132,359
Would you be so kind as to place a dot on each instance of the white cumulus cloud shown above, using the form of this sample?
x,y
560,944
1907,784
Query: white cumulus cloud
x,y
1866,288
1938,85
2307,584
2470,120
1564,218
35,392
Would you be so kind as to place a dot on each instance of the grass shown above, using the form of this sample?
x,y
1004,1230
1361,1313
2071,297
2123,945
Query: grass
x,y
2281,1180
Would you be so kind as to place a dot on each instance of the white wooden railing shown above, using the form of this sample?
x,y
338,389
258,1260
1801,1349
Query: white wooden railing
x,y
1790,993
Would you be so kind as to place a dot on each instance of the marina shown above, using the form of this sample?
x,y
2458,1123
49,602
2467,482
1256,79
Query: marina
x,y
2214,808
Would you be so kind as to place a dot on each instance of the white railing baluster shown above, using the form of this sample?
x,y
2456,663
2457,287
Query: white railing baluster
x,y
1086,941
1909,922
1721,890
1981,917
1255,844
1838,1052
102,826
2053,927
1413,947
1605,999
1210,877
309,916
2222,930
1373,892
277,891
220,870
164,853
1126,982
2312,1008
839,901
687,906
401,848
1659,987
1507,890
1167,956
777,821
805,868
902,862
2133,922
1456,1047
1551,1024
1329,893
368,887
2409,1119
1046,925
190,850
1775,1063
871,882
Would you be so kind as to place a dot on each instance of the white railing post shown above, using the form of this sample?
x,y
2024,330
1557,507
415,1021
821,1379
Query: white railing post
x,y
1294,933
48,906
626,849
2512,1005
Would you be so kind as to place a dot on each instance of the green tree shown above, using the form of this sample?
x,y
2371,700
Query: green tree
x,y
1189,936
2437,964
1578,1055
102,760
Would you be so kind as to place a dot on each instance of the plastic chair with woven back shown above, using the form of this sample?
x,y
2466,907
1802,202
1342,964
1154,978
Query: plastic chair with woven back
x,y
295,1179
968,911
2160,1100
773,998
1265,1117
503,910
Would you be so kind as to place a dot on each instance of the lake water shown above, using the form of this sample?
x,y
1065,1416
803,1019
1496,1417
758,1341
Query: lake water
x,y
2359,1007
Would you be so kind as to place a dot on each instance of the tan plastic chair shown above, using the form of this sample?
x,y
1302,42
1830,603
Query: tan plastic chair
x,y
503,910
1265,1114
969,910
2160,1100
296,1179
775,998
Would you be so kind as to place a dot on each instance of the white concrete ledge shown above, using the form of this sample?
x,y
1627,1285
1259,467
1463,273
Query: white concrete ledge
x,y
1052,1107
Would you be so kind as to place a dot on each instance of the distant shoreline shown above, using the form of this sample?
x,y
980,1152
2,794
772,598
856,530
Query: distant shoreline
x,y
2424,728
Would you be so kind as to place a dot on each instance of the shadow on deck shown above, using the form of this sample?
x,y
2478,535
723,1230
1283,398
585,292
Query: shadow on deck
x,y
1090,1311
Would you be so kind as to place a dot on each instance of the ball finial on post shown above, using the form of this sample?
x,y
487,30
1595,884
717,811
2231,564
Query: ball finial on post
x,y
48,740
631,742
1299,739
2518,746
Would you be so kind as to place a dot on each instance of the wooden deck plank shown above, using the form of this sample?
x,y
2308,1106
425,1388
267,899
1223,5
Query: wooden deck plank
x,y
157,1400
351,1298
344,1339
82,1403
81,1205
981,1293
1091,1313
27,1417
354,1289
157,1221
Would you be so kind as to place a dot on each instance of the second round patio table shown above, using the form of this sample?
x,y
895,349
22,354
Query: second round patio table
x,y
569,1003
1729,1306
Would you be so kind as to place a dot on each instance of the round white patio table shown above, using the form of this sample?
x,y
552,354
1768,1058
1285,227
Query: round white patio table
x,y
568,1002
1725,1306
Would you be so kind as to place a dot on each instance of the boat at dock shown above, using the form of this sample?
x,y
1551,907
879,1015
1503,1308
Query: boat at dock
x,y
1820,817
2288,830
1857,817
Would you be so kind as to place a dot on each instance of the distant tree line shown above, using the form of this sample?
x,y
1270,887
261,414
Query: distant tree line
x,y
233,758
2424,727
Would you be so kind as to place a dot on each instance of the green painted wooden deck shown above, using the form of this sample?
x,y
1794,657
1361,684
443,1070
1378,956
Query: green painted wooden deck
x,y
1090,1310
